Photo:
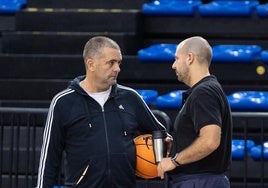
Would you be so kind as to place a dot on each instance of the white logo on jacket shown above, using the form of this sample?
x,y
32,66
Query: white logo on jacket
x,y
121,107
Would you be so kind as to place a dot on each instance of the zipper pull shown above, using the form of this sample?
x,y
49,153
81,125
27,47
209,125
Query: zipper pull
x,y
82,176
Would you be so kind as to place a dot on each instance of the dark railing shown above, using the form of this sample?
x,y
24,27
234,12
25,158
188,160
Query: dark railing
x,y
249,172
21,131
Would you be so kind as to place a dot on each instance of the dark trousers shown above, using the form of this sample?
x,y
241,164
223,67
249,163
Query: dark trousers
x,y
205,180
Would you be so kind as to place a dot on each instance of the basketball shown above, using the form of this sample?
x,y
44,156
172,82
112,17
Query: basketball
x,y
145,160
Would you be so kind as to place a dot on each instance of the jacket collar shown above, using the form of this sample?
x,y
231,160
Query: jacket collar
x,y
75,84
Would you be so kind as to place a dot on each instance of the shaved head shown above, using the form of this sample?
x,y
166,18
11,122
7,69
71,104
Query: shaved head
x,y
199,47
192,60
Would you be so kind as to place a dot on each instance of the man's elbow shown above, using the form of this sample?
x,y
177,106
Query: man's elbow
x,y
212,145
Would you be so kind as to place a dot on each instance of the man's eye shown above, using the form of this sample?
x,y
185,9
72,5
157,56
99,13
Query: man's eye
x,y
110,62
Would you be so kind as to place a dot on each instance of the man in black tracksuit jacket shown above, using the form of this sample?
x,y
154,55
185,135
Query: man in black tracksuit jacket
x,y
96,141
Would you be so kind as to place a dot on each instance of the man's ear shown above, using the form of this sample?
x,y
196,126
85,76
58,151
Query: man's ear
x,y
90,64
190,58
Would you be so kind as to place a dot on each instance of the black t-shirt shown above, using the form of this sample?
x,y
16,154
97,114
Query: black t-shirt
x,y
205,103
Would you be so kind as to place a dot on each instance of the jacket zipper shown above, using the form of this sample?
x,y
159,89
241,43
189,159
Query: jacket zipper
x,y
107,143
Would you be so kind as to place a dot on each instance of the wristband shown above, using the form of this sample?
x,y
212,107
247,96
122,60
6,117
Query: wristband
x,y
173,160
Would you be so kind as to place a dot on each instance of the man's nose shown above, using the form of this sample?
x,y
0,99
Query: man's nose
x,y
173,65
117,67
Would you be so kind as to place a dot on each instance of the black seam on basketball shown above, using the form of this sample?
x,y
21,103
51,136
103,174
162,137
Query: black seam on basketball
x,y
144,145
145,159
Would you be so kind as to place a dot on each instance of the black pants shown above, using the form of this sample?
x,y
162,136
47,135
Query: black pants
x,y
206,180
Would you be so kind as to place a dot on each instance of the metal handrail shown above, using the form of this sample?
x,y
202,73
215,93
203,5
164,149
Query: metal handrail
x,y
44,110
23,110
250,114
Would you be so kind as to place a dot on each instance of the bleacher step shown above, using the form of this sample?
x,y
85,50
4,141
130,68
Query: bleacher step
x,y
217,27
80,20
38,42
49,66
7,23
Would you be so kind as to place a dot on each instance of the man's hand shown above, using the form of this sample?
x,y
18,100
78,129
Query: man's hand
x,y
165,165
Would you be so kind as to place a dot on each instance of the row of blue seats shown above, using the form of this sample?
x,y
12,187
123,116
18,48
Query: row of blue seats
x,y
243,148
241,101
177,7
214,8
225,53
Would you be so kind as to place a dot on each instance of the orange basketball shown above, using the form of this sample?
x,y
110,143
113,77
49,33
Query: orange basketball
x,y
145,160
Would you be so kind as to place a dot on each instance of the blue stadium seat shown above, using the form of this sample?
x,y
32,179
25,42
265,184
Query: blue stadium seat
x,y
11,6
248,101
262,10
259,152
226,53
235,53
264,56
157,53
148,95
228,8
238,148
171,7
171,100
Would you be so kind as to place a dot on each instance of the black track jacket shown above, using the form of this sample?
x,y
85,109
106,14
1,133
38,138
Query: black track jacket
x,y
96,143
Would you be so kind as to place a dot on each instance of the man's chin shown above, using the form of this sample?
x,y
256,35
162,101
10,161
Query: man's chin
x,y
113,82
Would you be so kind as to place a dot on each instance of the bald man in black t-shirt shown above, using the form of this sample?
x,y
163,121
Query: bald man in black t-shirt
x,y
201,150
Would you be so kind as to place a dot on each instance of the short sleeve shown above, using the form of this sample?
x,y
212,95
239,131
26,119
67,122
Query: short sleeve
x,y
205,110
